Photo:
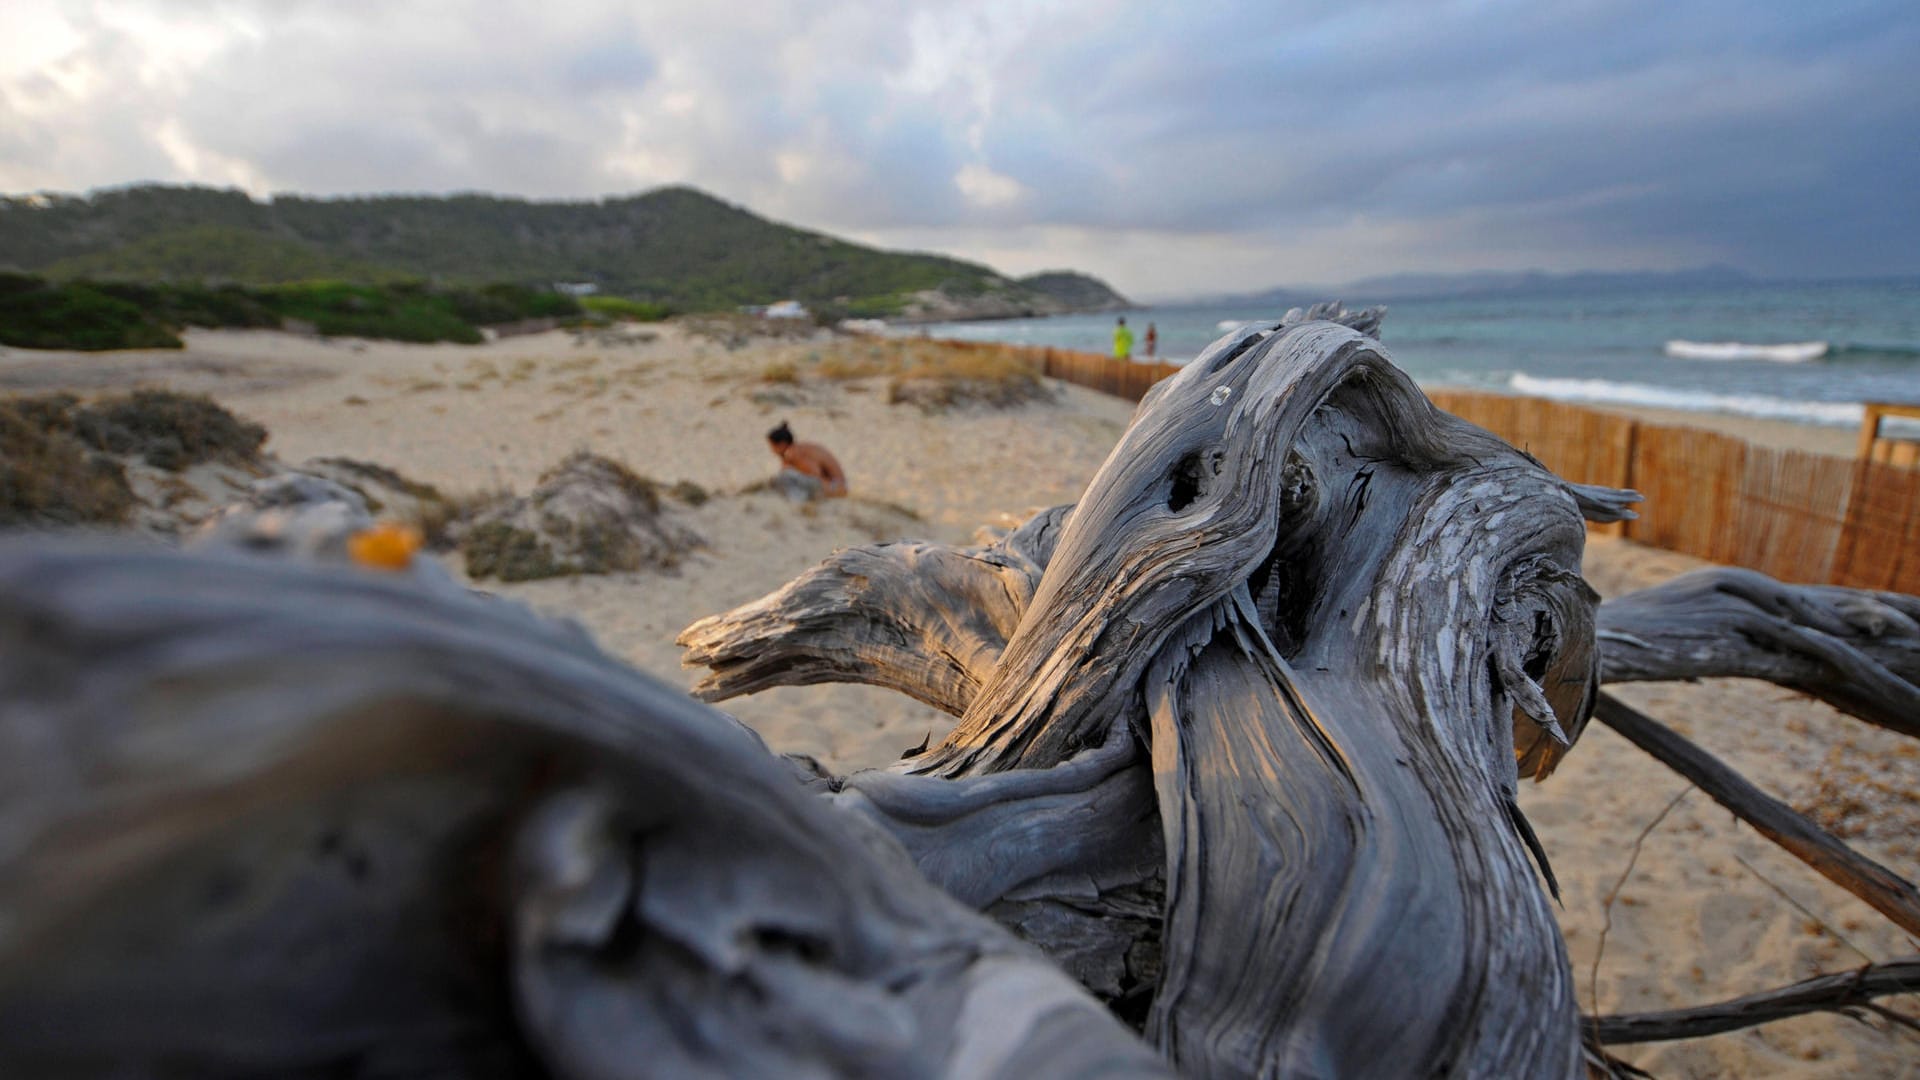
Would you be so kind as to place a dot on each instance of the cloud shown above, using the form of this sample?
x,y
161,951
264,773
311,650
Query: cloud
x,y
1221,146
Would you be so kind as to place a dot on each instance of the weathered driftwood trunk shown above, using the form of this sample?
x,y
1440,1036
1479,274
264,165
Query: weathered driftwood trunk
x,y
270,818
1334,615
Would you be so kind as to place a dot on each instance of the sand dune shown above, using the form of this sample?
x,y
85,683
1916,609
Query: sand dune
x,y
1696,920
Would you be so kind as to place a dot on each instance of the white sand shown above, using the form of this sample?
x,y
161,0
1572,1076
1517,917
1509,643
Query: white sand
x,y
1691,924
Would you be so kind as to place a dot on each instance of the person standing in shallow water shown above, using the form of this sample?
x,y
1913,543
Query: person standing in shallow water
x,y
1122,339
807,470
1153,341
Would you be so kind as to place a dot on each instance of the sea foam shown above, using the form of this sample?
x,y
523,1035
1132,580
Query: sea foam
x,y
1605,392
1793,353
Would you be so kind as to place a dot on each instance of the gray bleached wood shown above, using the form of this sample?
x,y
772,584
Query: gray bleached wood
x,y
1290,544
1857,650
1844,992
924,619
265,817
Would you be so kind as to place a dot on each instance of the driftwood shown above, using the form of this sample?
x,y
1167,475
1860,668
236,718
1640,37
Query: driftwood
x,y
1283,582
267,817
1857,650
1844,992
1887,892
1238,742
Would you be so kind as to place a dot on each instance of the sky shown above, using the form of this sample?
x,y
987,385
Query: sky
x,y
1170,149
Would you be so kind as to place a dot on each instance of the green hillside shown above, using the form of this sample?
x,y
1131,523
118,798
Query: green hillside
x,y
675,246
36,313
222,253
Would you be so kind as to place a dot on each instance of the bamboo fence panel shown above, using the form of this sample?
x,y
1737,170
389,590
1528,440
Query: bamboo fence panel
x,y
1692,481
1582,445
1791,513
1878,550
1794,515
1127,379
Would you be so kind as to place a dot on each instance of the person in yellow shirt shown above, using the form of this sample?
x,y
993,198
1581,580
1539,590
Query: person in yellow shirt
x,y
1122,340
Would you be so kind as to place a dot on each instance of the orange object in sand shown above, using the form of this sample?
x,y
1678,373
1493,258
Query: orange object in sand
x,y
386,546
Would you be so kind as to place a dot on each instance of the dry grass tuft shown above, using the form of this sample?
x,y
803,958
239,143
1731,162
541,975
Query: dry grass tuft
x,y
935,376
440,519
945,377
48,476
167,430
587,515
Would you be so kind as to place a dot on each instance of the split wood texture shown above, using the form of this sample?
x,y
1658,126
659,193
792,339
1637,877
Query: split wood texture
x,y
1854,648
1237,751
1329,616
263,817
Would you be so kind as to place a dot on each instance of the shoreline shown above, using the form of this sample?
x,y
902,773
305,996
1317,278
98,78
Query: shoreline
x,y
1779,434
25,370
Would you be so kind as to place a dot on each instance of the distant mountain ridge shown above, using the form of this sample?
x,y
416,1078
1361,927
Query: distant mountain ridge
x,y
676,246
1423,286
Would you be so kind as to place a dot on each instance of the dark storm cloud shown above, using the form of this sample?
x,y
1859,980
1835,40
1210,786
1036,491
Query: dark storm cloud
x,y
1305,141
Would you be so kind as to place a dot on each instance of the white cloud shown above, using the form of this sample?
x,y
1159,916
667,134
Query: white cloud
x,y
986,188
1216,146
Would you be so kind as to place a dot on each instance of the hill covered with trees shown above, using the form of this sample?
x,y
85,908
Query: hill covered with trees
x,y
675,246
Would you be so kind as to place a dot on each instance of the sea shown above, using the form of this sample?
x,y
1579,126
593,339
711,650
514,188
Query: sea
x,y
1804,352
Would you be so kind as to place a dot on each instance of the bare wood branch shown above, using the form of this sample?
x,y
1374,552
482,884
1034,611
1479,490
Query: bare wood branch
x,y
1857,650
1887,892
1839,992
925,619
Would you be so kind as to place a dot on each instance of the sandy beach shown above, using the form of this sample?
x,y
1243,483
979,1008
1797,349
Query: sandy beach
x,y
1710,909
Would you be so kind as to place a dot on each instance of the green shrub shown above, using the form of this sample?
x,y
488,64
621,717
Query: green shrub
x,y
506,303
37,315
404,311
614,307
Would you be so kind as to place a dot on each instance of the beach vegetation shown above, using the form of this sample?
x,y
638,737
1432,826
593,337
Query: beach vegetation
x,y
167,430
440,515
935,376
404,312
497,549
37,313
620,309
690,493
49,476
947,377
587,515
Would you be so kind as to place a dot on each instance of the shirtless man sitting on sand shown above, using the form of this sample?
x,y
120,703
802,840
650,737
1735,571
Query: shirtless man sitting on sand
x,y
807,471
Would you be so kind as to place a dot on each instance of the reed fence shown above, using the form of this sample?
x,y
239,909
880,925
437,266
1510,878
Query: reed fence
x,y
1797,516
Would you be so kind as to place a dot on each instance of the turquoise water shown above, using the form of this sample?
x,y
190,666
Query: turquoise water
x,y
1601,347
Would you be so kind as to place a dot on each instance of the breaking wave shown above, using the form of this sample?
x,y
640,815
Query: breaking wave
x,y
1798,352
1605,392
1794,353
